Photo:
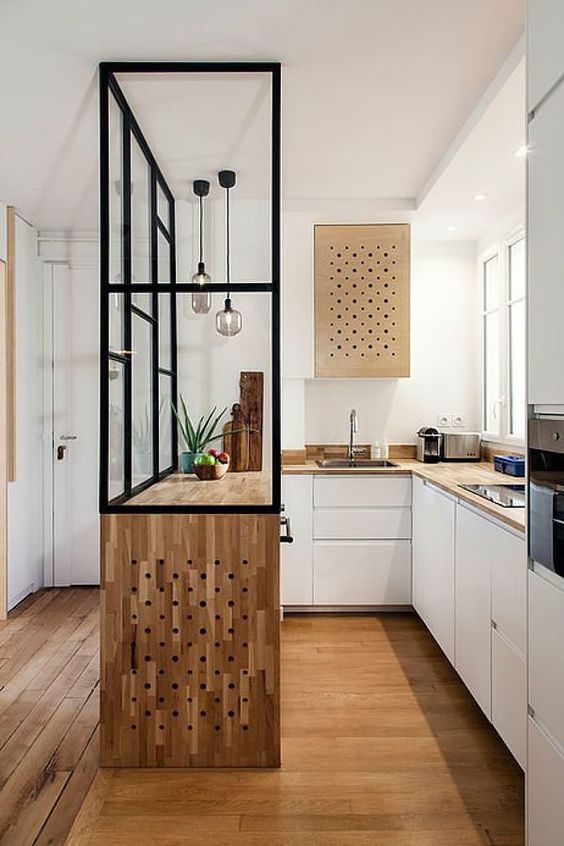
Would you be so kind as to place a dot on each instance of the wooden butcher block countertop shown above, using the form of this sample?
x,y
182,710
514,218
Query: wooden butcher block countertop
x,y
448,476
252,488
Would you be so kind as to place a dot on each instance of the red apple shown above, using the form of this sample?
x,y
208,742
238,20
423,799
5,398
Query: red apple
x,y
222,457
213,452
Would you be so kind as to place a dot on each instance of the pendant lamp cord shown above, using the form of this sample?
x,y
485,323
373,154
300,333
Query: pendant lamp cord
x,y
201,230
228,244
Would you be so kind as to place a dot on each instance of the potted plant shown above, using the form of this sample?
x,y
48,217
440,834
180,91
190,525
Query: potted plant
x,y
196,438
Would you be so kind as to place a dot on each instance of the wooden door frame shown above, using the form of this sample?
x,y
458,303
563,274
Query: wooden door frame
x,y
4,452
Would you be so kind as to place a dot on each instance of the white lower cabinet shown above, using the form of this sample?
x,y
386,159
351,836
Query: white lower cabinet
x,y
469,587
473,607
296,559
546,659
362,572
545,781
433,562
509,696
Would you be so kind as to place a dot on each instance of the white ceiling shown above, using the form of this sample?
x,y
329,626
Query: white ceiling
x,y
484,163
373,90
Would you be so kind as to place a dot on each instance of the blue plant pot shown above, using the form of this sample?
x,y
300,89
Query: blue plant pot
x,y
187,461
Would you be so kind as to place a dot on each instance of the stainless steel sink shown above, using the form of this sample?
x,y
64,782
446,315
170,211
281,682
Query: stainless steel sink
x,y
355,463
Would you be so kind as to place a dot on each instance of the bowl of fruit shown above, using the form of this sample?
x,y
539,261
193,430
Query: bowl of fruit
x,y
211,465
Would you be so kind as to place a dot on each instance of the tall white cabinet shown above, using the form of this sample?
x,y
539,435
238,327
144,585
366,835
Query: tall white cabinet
x,y
545,216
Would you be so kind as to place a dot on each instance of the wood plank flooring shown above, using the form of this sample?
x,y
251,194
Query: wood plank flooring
x,y
382,744
49,674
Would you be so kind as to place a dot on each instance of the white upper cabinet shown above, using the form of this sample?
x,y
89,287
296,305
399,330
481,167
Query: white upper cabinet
x,y
296,559
433,562
545,57
546,249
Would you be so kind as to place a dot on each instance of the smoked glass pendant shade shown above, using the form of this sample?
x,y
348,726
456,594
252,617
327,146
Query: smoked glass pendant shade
x,y
228,321
201,300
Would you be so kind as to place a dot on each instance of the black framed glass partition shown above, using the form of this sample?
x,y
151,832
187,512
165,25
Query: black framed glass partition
x,y
157,353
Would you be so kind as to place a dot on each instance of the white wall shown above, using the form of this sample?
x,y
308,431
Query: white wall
x,y
25,505
443,360
209,365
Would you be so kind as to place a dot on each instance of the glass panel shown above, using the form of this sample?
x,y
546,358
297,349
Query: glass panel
x,y
517,364
209,373
115,189
164,331
491,283
140,216
142,401
491,373
163,207
165,422
116,481
116,322
164,259
144,302
517,270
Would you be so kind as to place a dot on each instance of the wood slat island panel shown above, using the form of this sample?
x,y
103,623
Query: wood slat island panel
x,y
250,488
190,641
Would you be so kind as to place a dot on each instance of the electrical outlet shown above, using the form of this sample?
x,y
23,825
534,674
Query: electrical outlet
x,y
459,420
444,420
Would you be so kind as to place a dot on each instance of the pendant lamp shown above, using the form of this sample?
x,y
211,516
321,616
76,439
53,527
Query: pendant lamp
x,y
228,321
201,300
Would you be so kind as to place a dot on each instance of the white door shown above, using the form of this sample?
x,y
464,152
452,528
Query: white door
x,y
73,439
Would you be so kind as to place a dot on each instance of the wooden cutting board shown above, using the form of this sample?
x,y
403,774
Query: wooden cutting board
x,y
236,444
251,392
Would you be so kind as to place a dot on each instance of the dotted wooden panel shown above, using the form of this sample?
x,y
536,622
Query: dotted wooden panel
x,y
362,277
190,641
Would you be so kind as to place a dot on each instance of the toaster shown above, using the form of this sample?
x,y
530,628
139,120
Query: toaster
x,y
461,446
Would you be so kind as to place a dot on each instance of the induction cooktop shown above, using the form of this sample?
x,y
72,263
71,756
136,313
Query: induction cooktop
x,y
508,496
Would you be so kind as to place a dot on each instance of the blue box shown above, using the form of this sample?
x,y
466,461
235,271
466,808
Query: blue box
x,y
512,465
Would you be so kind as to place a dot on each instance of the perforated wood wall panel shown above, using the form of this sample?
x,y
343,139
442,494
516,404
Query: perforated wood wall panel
x,y
362,276
190,641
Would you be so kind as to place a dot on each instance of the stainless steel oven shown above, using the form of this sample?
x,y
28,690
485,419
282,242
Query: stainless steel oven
x,y
546,493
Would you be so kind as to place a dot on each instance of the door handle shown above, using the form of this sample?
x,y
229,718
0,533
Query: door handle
x,y
61,449
287,536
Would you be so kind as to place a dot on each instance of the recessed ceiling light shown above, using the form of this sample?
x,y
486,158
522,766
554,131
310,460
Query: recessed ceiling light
x,y
479,197
451,228
521,152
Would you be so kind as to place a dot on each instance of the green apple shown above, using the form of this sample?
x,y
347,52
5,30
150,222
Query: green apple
x,y
205,459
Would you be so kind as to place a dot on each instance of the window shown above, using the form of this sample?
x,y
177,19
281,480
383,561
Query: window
x,y
503,334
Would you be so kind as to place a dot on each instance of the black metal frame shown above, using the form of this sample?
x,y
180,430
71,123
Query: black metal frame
x,y
108,82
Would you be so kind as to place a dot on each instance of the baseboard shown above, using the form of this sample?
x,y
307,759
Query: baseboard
x,y
19,597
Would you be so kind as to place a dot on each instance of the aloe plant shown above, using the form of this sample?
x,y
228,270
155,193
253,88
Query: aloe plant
x,y
197,437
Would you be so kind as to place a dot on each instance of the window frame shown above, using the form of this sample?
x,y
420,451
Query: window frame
x,y
501,248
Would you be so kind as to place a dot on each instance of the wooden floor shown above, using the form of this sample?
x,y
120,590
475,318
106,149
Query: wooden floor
x,y
49,674
381,745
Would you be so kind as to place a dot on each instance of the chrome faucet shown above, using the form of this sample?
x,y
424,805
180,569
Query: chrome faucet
x,y
353,421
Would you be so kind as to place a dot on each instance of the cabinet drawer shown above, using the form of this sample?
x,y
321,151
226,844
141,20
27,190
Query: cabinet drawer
x,y
545,777
509,584
362,573
362,523
362,491
546,665
509,696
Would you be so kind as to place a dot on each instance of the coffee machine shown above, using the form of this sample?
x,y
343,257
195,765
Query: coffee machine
x,y
429,445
